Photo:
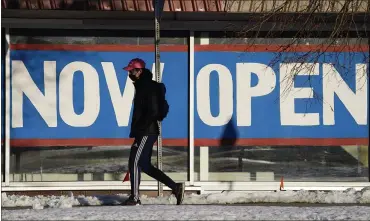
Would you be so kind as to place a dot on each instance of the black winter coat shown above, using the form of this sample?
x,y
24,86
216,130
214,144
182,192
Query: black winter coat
x,y
146,109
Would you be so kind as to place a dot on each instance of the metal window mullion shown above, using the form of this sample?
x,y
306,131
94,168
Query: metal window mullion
x,y
191,108
7,110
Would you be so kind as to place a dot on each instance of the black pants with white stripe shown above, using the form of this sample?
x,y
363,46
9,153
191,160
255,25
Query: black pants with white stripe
x,y
140,160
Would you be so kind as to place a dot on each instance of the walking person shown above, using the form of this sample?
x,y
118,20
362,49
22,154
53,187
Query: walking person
x,y
149,107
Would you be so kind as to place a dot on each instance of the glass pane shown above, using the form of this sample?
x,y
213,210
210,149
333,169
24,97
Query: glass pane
x,y
97,37
294,163
77,128
288,41
100,163
281,107
235,38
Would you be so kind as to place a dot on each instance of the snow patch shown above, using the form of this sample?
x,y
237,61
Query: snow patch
x,y
349,196
37,205
194,212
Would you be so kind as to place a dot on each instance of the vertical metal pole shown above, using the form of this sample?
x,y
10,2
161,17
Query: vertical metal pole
x,y
368,105
158,78
3,45
7,110
191,109
4,49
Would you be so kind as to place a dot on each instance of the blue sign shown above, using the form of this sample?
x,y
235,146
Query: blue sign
x,y
250,96
244,95
101,123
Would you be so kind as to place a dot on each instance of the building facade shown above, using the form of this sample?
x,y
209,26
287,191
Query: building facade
x,y
259,92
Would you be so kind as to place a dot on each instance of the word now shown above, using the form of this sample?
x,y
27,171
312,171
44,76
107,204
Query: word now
x,y
45,103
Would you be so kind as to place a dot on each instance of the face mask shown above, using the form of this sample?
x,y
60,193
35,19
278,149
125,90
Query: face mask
x,y
132,77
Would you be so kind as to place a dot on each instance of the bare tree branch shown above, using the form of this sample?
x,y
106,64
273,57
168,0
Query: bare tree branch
x,y
341,15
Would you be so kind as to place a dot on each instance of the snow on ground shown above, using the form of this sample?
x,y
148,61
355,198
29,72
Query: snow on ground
x,y
163,208
193,212
328,197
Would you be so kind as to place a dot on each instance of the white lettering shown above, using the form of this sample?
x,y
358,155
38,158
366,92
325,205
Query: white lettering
x,y
22,83
225,95
122,102
44,98
355,102
244,91
288,94
91,95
